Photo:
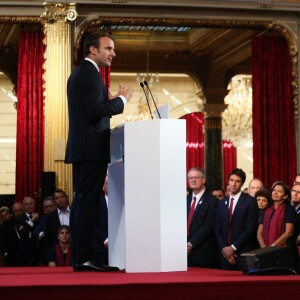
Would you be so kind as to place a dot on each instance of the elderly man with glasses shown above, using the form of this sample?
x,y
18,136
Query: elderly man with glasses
x,y
201,214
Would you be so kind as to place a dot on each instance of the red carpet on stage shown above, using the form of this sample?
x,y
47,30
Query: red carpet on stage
x,y
61,283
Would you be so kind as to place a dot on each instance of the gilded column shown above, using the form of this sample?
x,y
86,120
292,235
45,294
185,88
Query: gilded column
x,y
213,155
58,57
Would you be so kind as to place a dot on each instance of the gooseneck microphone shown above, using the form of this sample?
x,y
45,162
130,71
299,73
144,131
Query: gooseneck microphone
x,y
142,86
146,84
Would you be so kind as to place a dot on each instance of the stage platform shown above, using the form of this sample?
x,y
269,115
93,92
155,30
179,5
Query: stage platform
x,y
61,283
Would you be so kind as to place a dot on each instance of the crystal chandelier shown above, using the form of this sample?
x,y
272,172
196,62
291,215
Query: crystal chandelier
x,y
237,118
152,79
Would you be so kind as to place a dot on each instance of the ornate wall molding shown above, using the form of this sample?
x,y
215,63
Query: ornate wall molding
x,y
21,20
96,23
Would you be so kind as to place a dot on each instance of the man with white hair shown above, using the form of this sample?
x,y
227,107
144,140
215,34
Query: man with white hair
x,y
254,185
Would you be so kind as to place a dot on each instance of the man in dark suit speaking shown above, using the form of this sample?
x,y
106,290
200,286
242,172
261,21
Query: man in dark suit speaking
x,y
237,218
90,106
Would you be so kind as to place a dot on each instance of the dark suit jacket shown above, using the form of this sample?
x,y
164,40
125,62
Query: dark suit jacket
x,y
27,251
89,119
202,236
298,221
10,243
243,227
52,223
41,241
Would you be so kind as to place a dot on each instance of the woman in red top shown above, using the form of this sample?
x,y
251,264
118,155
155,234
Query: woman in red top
x,y
276,227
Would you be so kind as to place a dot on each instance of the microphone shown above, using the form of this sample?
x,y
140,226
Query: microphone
x,y
146,84
142,86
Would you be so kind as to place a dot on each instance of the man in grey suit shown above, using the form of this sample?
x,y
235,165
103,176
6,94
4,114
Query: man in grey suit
x,y
90,105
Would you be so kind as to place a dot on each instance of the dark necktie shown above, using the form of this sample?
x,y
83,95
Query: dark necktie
x,y
229,220
190,217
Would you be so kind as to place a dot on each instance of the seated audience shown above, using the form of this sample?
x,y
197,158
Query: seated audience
x,y
61,254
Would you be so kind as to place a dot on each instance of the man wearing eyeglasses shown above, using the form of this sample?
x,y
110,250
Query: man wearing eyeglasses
x,y
201,213
295,194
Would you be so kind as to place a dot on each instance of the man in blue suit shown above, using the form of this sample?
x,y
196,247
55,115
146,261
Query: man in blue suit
x,y
236,225
90,106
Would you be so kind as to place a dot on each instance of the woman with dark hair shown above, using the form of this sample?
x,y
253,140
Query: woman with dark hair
x,y
263,198
276,226
61,254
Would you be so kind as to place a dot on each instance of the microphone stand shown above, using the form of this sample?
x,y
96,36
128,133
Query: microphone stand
x,y
146,84
142,86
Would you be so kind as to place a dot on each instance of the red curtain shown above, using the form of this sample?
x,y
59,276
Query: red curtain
x,y
194,140
274,145
30,117
195,145
229,160
105,74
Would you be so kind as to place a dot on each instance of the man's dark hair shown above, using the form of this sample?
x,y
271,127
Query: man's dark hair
x,y
93,39
240,173
48,198
59,191
61,227
217,188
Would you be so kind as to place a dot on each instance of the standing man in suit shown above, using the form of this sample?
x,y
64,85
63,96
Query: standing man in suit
x,y
201,215
25,226
236,226
90,106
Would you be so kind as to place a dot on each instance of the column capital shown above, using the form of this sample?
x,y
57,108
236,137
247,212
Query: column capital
x,y
215,95
214,110
59,12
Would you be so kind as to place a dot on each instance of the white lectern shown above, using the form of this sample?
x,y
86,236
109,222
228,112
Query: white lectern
x,y
147,197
